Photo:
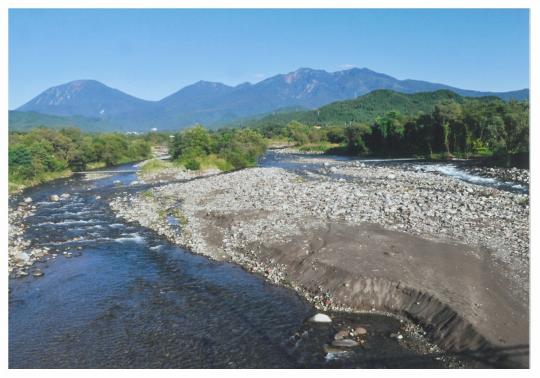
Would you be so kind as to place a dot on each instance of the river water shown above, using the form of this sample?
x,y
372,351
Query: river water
x,y
119,295
458,169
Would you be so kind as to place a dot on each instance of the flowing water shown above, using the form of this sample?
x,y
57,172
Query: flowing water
x,y
119,295
457,170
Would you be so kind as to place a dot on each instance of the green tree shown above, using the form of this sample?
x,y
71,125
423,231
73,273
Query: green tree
x,y
354,134
192,142
298,132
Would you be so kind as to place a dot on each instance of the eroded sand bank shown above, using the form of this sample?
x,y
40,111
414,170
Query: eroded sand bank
x,y
450,255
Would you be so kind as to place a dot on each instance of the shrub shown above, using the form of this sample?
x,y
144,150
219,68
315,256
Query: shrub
x,y
154,165
192,165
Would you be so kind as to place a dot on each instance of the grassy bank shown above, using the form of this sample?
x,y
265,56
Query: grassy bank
x,y
318,147
200,163
15,187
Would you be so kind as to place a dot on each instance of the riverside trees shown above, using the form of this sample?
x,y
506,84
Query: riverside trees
x,y
43,153
457,126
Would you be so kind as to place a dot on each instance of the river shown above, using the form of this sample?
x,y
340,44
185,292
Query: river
x,y
119,295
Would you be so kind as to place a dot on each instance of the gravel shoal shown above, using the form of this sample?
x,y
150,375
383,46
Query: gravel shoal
x,y
350,236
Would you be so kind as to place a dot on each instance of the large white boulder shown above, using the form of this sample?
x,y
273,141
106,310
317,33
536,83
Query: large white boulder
x,y
320,318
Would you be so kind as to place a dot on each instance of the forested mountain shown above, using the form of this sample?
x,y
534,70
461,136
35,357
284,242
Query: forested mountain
x,y
365,108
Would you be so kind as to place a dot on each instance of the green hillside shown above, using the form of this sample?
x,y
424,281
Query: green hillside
x,y
372,105
365,108
24,121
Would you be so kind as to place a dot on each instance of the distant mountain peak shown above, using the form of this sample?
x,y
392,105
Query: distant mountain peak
x,y
214,103
208,84
302,73
89,98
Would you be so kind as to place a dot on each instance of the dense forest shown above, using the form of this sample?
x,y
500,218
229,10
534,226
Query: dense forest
x,y
41,154
385,123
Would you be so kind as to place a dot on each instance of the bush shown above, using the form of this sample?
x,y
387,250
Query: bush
x,y
192,165
197,148
154,165
191,143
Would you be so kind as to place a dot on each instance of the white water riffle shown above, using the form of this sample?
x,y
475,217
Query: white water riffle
x,y
453,171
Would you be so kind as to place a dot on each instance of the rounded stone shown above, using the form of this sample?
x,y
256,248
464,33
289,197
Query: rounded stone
x,y
344,343
37,273
320,318
360,331
341,335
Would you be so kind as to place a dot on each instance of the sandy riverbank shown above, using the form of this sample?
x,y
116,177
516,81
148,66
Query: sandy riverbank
x,y
450,255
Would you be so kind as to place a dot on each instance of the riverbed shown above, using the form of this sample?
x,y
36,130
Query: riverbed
x,y
117,294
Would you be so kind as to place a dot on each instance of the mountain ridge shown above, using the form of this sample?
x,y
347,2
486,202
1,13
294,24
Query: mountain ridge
x,y
214,103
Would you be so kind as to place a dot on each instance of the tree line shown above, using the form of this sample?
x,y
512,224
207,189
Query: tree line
x,y
44,153
452,126
463,129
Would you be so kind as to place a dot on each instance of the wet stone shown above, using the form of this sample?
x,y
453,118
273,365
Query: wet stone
x,y
320,318
341,335
37,273
360,331
345,343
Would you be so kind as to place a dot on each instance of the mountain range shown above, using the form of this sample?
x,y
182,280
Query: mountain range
x,y
99,108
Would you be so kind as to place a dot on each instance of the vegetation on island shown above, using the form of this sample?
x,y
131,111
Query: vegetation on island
x,y
225,149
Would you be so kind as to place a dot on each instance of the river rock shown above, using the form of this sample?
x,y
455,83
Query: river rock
x,y
23,257
65,195
344,343
360,331
341,335
320,318
398,336
54,198
37,273
28,200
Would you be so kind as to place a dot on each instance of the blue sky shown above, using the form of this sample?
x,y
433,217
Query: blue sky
x,y
153,53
